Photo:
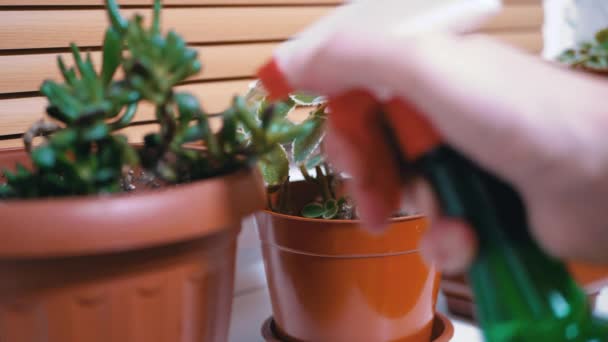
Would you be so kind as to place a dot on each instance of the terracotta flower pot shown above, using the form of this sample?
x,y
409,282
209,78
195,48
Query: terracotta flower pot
x,y
154,266
330,280
460,300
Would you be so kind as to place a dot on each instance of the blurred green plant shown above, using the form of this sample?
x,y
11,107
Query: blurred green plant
x,y
591,56
83,152
305,153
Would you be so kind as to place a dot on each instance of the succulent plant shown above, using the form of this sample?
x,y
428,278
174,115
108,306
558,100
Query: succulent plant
x,y
83,152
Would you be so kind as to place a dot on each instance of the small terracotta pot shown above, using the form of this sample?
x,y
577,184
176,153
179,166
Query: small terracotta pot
x,y
154,266
460,300
330,280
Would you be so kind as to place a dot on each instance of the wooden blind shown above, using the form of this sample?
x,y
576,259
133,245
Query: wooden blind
x,y
233,38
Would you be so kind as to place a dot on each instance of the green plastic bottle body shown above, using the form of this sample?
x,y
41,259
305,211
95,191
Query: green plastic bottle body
x,y
521,293
540,303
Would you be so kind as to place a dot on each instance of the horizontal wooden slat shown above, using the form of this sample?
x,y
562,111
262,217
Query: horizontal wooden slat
x,y
25,73
165,2
134,133
16,115
57,28
517,16
54,28
528,41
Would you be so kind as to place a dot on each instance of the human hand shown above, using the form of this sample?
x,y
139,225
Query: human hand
x,y
535,125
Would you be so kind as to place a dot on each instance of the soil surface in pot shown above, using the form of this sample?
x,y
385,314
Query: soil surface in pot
x,y
305,192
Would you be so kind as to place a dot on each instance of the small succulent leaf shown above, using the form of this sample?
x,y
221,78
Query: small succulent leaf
x,y
342,201
22,171
105,175
98,131
274,166
118,22
305,144
229,128
10,176
44,157
112,55
126,118
156,18
313,210
331,209
69,75
6,191
63,138
248,119
188,107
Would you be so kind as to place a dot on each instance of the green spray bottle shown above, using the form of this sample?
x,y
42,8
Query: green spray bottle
x,y
521,293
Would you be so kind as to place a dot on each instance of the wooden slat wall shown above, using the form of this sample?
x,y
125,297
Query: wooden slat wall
x,y
233,38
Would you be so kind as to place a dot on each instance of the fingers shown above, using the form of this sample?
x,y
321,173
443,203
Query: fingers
x,y
449,244
355,143
347,60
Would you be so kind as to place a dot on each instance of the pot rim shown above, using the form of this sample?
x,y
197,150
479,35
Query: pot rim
x,y
340,221
93,224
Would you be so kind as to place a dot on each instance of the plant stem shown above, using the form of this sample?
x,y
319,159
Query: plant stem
x,y
307,175
284,196
330,180
324,184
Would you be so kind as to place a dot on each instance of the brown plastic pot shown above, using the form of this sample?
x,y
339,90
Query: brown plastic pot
x,y
459,297
330,280
443,330
154,266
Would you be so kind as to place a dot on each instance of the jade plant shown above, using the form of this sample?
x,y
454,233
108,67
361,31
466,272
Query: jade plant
x,y
305,153
83,151
590,55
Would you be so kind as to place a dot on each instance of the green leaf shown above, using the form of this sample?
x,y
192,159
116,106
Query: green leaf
x,y
22,171
314,161
69,75
112,55
274,166
283,108
602,36
118,22
105,175
248,119
188,107
303,99
126,118
98,131
229,127
156,18
306,144
63,138
44,157
313,210
331,209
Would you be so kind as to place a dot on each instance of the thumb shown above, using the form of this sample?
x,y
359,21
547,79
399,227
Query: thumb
x,y
330,66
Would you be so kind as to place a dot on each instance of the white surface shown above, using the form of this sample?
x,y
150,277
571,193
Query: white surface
x,y
568,22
